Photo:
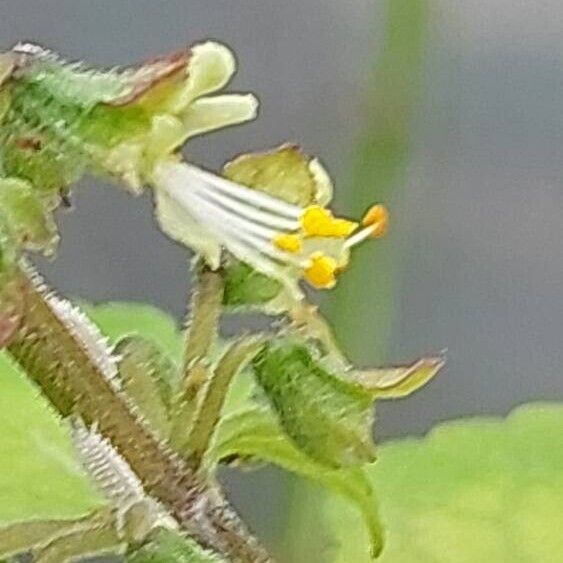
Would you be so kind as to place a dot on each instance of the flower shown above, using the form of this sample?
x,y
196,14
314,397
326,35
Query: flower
x,y
282,240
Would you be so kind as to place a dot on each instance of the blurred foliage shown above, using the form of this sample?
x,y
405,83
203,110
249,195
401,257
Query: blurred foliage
x,y
363,304
118,320
366,295
500,481
474,490
41,477
480,489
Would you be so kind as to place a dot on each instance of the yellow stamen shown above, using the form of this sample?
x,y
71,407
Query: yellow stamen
x,y
321,272
319,222
289,243
377,218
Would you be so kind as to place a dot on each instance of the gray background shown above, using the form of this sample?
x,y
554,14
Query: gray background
x,y
481,213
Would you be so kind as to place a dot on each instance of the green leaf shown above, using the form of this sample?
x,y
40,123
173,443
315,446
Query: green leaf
x,y
329,418
482,489
255,435
40,478
166,546
54,540
120,319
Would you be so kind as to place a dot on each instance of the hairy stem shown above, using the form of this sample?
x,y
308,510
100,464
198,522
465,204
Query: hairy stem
x,y
204,318
61,364
201,332
212,396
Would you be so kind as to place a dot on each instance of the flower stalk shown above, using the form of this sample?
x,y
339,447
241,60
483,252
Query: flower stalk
x,y
61,365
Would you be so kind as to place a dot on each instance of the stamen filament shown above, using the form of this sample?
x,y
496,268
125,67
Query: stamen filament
x,y
359,237
220,217
250,212
242,193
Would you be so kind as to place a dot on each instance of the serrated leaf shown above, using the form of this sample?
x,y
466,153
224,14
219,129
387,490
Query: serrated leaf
x,y
327,417
147,376
166,546
398,381
119,319
40,478
254,434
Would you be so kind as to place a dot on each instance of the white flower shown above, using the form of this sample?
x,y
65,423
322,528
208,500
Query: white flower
x,y
284,241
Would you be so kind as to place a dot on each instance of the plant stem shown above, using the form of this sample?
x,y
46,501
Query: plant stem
x,y
212,396
310,320
200,334
55,358
204,319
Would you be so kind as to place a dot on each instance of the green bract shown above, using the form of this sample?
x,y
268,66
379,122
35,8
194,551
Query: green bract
x,y
330,415
327,417
253,435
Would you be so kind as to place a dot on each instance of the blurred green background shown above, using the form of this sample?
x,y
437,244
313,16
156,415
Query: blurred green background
x,y
450,112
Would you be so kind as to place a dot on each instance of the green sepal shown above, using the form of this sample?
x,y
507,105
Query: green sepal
x,y
327,417
246,287
164,546
254,435
284,172
147,375
398,381
26,216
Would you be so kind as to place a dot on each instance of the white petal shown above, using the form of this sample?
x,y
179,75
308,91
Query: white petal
x,y
181,226
216,112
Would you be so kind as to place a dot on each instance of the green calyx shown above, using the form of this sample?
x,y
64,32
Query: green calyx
x,y
60,120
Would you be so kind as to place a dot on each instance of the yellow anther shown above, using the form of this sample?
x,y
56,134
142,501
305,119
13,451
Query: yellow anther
x,y
289,243
377,218
321,271
319,222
